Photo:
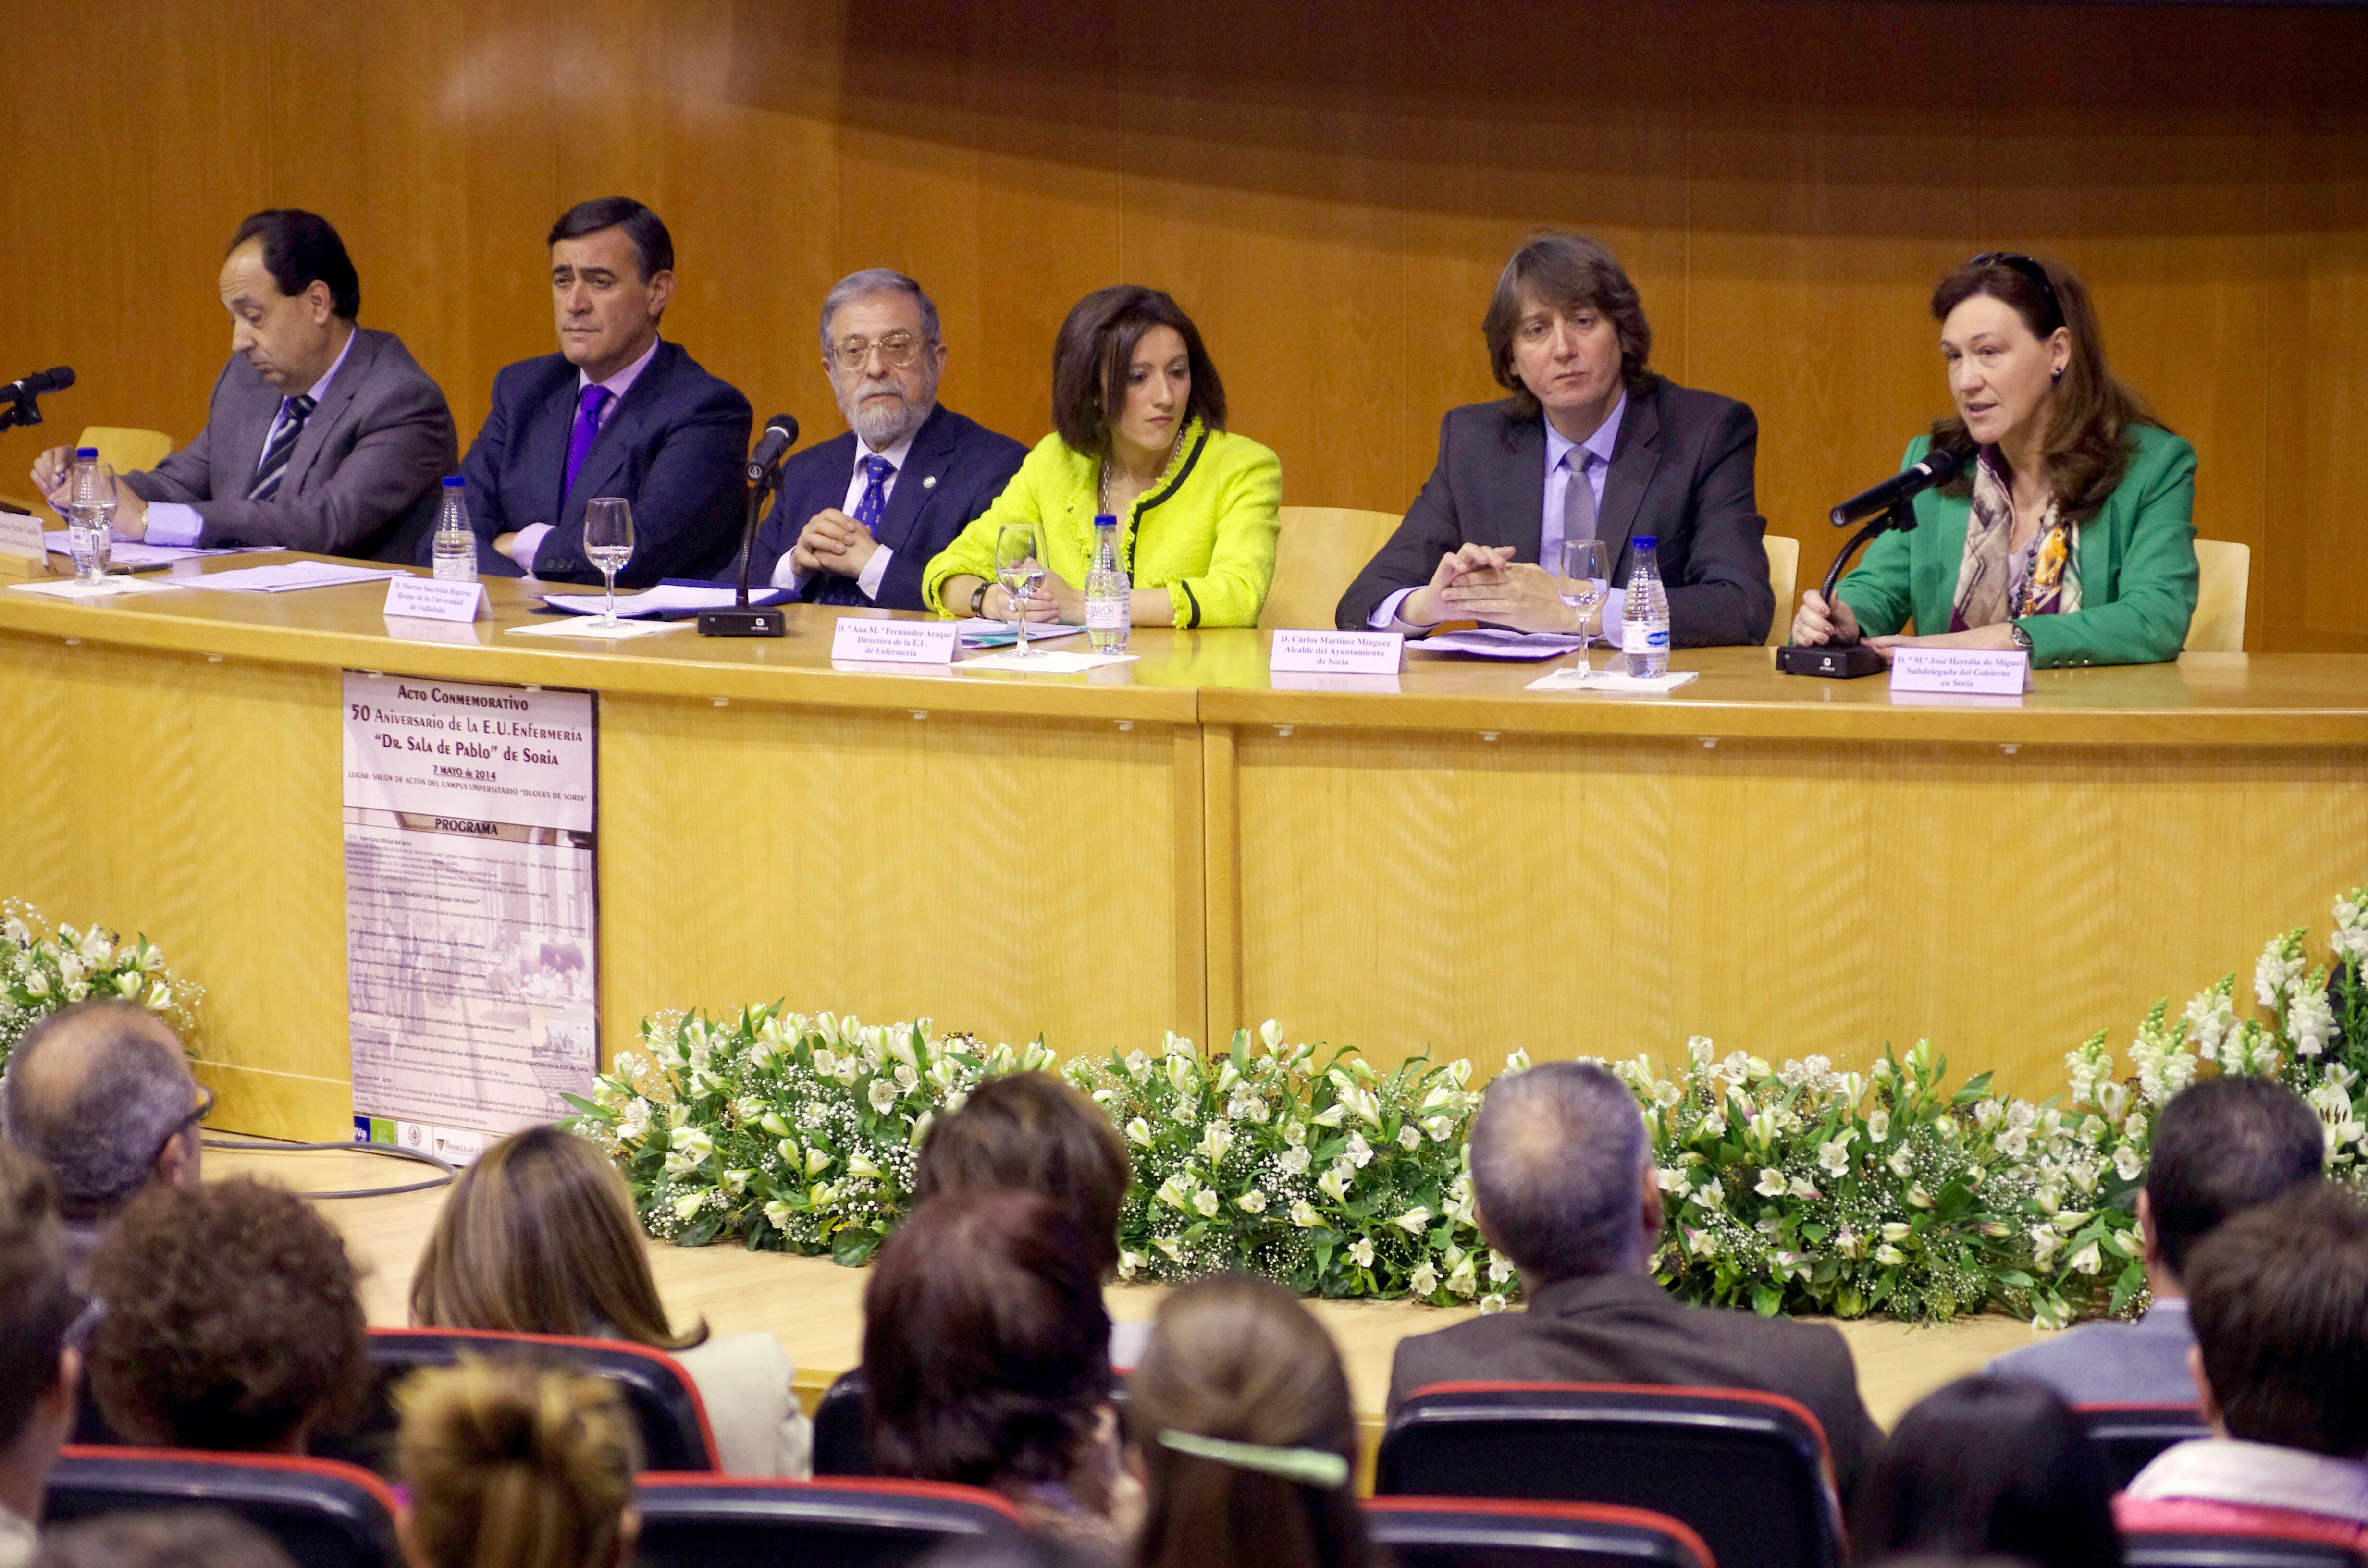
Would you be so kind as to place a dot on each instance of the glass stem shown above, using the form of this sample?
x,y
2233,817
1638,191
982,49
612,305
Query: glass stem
x,y
609,577
1019,626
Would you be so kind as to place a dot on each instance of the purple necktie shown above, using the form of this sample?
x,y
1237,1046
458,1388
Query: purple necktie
x,y
588,405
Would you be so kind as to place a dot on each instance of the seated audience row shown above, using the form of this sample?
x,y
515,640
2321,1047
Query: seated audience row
x,y
2068,534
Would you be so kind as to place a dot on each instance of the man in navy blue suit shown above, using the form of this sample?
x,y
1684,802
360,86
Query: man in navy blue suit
x,y
617,412
858,517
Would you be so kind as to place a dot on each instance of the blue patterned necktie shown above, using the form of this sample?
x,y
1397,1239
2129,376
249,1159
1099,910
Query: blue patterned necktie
x,y
293,412
875,494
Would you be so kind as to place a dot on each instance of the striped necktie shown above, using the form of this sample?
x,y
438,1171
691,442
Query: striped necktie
x,y
293,412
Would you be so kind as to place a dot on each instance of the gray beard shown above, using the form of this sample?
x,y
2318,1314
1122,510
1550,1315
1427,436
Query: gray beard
x,y
881,425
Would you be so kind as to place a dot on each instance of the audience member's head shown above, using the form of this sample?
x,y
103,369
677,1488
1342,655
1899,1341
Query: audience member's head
x,y
986,1348
1992,1466
166,1538
1011,1549
1031,1132
538,1236
102,1092
37,1367
1562,1173
512,1467
2279,1299
2223,1146
232,1320
1239,1418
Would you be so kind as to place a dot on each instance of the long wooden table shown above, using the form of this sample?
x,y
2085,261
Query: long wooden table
x,y
1455,864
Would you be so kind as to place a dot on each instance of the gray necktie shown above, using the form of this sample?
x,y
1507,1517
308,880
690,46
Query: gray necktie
x,y
1577,502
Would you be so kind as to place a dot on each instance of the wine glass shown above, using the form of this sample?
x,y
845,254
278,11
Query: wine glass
x,y
1018,568
90,511
608,543
1585,580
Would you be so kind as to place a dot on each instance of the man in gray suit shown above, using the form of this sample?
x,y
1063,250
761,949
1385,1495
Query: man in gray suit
x,y
2222,1147
1563,1182
1592,443
322,436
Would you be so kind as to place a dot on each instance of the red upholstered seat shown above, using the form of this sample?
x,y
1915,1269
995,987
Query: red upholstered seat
x,y
1497,1532
707,1521
327,1515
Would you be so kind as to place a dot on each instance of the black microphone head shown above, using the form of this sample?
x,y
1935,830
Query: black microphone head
x,y
787,424
1944,464
57,380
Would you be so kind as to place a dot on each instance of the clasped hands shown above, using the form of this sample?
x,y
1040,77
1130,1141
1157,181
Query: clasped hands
x,y
54,468
1818,623
832,541
1483,582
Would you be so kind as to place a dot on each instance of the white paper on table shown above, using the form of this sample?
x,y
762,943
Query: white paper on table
x,y
281,579
1044,664
139,555
588,626
106,587
977,632
1612,683
667,599
1495,642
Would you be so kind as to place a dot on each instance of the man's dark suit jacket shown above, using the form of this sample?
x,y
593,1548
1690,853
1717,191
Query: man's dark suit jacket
x,y
1623,1328
955,470
365,478
1680,471
675,448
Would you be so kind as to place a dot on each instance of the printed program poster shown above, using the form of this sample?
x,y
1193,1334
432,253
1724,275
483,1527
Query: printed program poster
x,y
470,915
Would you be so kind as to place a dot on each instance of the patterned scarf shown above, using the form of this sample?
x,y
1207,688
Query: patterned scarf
x,y
1996,582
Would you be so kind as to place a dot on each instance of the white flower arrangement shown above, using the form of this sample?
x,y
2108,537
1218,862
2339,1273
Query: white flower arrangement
x,y
1788,1188
42,970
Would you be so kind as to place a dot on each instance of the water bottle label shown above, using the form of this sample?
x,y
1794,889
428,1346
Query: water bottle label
x,y
1106,615
1636,637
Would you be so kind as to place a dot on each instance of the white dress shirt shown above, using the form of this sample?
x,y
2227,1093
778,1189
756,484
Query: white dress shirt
x,y
529,538
1594,452
786,577
176,524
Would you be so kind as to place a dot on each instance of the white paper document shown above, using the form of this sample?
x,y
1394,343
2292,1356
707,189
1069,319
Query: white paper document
x,y
137,555
1612,683
1495,642
980,633
593,627
281,579
667,599
106,587
1044,664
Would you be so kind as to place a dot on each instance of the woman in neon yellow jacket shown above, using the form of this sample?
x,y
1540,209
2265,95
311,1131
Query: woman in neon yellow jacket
x,y
1139,434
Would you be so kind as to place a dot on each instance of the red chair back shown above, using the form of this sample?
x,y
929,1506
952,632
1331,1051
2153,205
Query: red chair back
x,y
2131,1434
698,1521
1495,1532
326,1514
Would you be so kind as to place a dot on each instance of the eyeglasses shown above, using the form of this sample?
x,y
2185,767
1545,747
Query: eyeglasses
x,y
2019,263
898,348
198,1113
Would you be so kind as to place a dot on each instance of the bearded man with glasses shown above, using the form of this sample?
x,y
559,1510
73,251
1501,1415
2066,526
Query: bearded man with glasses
x,y
858,517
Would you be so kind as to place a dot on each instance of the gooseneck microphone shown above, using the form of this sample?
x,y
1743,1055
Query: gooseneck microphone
x,y
16,404
1938,468
764,476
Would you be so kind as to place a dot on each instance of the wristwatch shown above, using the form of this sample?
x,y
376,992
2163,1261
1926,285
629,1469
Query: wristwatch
x,y
978,601
2016,634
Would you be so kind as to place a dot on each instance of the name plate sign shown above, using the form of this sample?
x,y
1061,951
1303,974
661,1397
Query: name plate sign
x,y
1337,653
893,642
22,551
1961,671
427,598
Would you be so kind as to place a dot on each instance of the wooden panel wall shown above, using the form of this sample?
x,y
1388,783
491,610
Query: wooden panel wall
x,y
1330,186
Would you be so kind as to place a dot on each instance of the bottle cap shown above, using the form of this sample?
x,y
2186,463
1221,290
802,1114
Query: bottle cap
x,y
1642,541
81,452
453,482
1105,520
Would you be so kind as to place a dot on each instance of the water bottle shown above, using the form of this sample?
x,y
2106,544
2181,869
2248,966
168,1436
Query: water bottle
x,y
456,543
1645,614
1110,612
90,514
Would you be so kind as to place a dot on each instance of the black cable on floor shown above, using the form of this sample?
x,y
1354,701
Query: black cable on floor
x,y
390,1150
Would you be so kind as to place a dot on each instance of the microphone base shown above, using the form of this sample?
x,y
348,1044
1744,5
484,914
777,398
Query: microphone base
x,y
1847,662
752,621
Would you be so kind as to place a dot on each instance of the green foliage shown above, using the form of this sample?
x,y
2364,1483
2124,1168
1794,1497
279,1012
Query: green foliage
x,y
43,969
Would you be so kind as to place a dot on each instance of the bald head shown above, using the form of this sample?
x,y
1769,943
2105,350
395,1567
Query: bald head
x,y
100,1090
1559,1159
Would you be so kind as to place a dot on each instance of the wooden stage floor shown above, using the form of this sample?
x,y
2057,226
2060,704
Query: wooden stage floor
x,y
816,1307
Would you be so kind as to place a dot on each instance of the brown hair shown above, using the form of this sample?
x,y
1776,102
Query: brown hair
x,y
539,1237
986,1343
509,1467
2279,1297
35,1307
1569,272
2086,446
1094,349
1239,1359
233,1319
1033,1132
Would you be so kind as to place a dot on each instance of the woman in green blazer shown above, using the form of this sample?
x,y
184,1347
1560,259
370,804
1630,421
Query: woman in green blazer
x,y
1138,418
2069,533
